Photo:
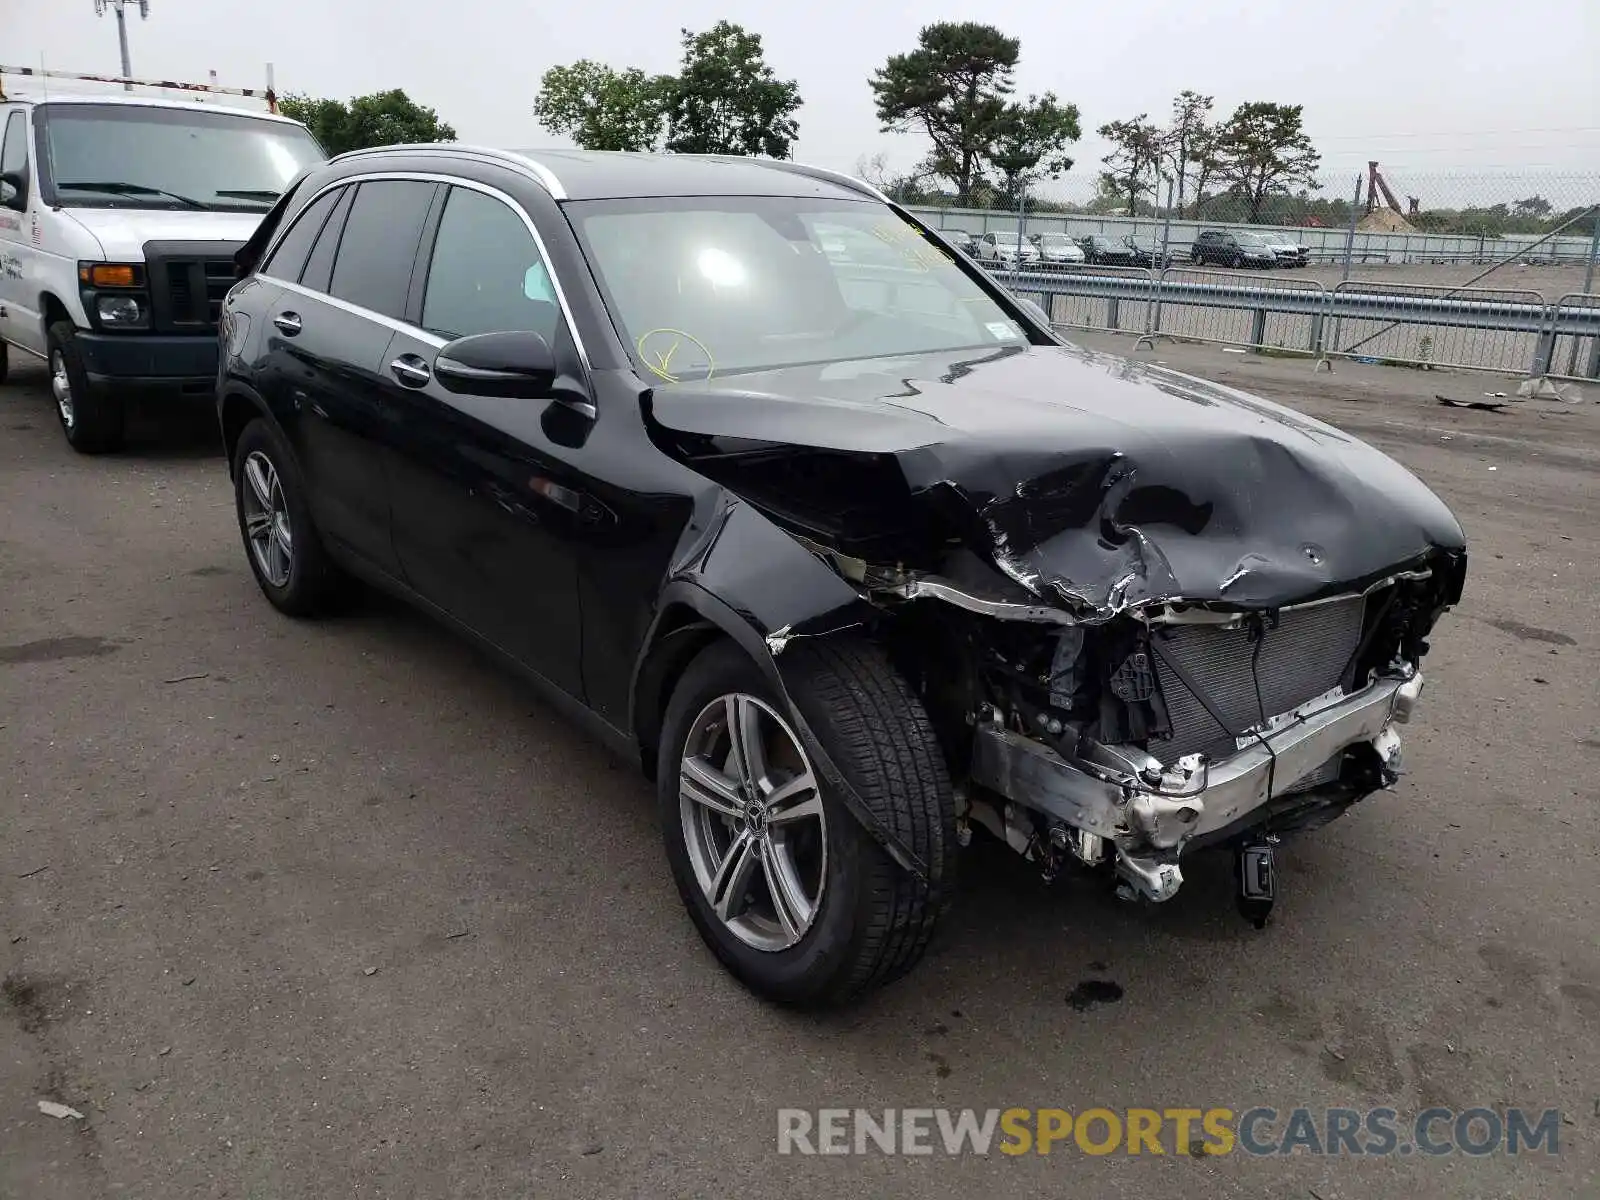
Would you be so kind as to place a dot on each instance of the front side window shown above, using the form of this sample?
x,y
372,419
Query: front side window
x,y
134,156
378,247
487,275
14,153
709,285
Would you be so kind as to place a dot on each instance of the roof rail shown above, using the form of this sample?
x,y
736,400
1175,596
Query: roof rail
x,y
537,171
267,93
796,168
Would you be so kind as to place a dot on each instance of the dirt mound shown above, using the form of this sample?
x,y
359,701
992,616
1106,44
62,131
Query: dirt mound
x,y
1385,220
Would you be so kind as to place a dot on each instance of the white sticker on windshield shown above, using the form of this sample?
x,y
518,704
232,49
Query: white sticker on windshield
x,y
1004,330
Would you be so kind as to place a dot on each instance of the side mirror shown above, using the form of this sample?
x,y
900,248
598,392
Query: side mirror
x,y
1034,311
517,363
13,191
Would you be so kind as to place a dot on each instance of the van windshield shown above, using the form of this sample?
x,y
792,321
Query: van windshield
x,y
136,156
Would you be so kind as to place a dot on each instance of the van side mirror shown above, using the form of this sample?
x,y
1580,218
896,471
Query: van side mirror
x,y
516,363
13,191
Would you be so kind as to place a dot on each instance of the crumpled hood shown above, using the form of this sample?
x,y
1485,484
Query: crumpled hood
x,y
1100,481
122,232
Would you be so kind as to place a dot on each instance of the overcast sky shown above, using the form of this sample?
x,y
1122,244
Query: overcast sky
x,y
1426,87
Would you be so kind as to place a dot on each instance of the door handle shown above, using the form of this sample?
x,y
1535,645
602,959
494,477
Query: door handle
x,y
411,371
288,322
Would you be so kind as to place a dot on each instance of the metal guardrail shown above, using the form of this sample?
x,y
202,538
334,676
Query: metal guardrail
x,y
1513,332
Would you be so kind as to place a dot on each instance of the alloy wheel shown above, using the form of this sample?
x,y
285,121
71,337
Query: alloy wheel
x,y
266,519
753,821
61,388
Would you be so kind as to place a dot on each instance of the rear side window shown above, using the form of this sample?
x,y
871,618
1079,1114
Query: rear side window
x,y
378,248
289,259
486,274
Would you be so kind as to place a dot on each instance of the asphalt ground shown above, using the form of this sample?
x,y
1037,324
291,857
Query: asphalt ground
x,y
296,909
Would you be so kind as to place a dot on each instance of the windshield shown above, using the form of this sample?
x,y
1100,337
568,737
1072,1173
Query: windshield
x,y
132,156
1251,239
711,285
1055,239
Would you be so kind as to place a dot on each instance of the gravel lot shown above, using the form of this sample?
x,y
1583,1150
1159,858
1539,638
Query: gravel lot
x,y
1550,280
311,910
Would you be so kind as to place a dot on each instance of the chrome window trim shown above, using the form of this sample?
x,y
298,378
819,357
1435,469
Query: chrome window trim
x,y
518,161
422,335
393,322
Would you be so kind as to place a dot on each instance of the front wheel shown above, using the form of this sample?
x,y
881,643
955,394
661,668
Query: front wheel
x,y
782,883
90,416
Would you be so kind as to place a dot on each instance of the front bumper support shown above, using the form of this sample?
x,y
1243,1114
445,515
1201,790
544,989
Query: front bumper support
x,y
1151,826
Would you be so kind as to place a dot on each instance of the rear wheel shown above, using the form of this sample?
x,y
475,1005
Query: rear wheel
x,y
783,884
90,416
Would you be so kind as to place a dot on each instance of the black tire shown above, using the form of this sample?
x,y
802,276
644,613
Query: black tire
x,y
874,920
311,581
5,361
91,417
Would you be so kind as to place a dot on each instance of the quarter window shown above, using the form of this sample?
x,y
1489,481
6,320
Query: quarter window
x,y
378,248
289,259
319,267
486,274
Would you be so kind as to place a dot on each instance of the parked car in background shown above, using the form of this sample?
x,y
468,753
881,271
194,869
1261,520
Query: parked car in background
x,y
850,556
963,240
1148,253
1097,248
1290,252
1001,248
1057,248
119,218
1224,248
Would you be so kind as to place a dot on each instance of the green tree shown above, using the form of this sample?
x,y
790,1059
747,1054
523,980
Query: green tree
x,y
600,108
1135,156
1263,149
1030,144
953,88
727,100
1186,143
381,119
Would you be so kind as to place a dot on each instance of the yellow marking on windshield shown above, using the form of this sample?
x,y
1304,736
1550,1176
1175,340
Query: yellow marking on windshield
x,y
657,358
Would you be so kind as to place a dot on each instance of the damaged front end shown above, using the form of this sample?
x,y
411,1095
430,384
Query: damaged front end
x,y
1123,743
1163,617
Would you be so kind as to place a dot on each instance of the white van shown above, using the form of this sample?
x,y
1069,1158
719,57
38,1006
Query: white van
x,y
119,218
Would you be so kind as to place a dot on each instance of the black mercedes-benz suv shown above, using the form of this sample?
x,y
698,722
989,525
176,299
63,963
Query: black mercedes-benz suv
x,y
782,495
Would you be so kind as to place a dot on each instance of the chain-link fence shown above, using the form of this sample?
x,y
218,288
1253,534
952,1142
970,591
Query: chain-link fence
x,y
1541,226
1491,272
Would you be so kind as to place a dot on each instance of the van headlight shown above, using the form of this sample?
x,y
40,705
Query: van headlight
x,y
121,312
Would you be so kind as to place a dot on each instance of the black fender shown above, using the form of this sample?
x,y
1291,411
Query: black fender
x,y
742,577
237,405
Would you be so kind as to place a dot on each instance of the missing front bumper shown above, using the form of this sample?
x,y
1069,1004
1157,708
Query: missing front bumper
x,y
1151,827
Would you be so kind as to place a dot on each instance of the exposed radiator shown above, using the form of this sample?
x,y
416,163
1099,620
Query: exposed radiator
x,y
1300,659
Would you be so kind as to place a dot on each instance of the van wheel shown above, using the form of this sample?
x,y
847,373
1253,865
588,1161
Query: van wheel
x,y
783,884
90,416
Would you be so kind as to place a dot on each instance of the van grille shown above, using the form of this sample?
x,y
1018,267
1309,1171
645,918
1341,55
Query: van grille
x,y
188,283
1302,658
195,291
